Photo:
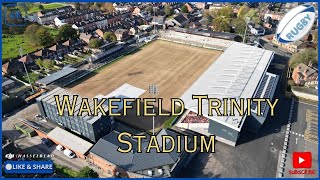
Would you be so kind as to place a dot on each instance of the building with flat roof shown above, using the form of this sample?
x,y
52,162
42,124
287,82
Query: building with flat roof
x,y
89,126
70,141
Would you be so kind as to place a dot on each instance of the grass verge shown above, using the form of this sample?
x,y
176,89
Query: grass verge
x,y
65,171
11,45
45,7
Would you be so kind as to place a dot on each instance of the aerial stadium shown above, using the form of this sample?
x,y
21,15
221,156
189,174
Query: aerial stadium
x,y
182,64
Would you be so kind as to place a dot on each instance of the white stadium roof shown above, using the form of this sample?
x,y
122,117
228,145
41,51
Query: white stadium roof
x,y
235,74
124,91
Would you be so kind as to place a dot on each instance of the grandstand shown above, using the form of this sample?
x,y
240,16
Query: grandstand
x,y
56,77
240,72
195,40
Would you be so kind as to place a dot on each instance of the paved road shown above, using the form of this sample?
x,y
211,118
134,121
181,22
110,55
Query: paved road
x,y
297,142
278,50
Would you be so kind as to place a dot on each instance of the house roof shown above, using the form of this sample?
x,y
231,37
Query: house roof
x,y
107,146
85,37
121,31
306,70
42,52
181,18
26,58
56,47
99,32
298,43
69,42
12,64
158,19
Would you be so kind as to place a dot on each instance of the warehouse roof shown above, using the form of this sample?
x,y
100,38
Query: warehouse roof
x,y
70,140
107,146
235,74
56,76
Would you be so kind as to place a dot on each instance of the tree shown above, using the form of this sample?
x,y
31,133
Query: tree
x,y
29,33
43,37
168,10
110,36
315,37
67,32
306,56
222,18
252,14
184,9
47,63
225,12
240,25
38,35
39,62
221,24
108,7
94,43
87,172
243,11
40,6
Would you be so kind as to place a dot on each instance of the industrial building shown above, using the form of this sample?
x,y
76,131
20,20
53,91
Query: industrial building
x,y
88,126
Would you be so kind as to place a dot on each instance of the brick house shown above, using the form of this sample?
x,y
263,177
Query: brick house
x,y
84,37
58,49
303,73
12,67
43,54
71,44
122,34
99,32
27,59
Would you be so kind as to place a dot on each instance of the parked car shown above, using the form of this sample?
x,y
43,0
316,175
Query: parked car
x,y
69,153
46,142
8,114
59,148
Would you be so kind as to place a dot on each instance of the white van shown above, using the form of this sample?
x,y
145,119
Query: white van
x,y
59,148
69,153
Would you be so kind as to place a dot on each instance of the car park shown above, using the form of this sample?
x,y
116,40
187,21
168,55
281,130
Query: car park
x,y
46,142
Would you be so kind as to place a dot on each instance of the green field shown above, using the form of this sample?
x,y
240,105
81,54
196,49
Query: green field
x,y
45,7
11,44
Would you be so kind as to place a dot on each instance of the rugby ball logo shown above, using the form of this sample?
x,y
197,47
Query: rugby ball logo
x,y
296,24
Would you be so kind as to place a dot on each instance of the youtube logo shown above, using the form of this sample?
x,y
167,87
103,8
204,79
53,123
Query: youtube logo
x,y
302,160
